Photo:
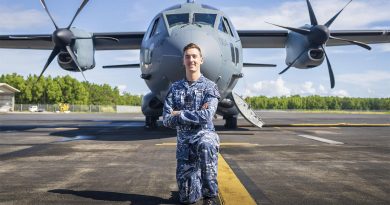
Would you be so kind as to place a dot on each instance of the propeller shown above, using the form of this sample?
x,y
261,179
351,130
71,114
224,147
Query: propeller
x,y
318,35
63,39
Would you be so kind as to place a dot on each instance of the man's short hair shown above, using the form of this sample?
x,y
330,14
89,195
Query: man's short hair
x,y
192,45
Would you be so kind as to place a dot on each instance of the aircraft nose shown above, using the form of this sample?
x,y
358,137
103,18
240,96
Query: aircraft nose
x,y
208,42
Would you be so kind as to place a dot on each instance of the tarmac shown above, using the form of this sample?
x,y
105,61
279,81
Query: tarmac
x,y
297,158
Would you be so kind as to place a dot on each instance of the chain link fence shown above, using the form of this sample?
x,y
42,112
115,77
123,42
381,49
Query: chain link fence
x,y
77,108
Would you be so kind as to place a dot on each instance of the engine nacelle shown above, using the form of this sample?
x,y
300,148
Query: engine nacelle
x,y
295,45
151,105
66,62
84,50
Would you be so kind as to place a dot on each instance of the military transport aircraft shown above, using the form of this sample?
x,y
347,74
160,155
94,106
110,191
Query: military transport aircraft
x,y
222,47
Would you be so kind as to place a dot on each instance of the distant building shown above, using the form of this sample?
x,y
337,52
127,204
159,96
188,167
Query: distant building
x,y
7,97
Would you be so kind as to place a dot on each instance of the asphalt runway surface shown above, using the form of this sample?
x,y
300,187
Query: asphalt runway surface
x,y
112,159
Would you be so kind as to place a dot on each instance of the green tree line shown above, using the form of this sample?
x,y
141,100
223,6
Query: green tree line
x,y
316,102
65,89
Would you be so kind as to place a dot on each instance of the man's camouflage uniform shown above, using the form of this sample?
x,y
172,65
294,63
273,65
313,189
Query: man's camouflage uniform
x,y
197,142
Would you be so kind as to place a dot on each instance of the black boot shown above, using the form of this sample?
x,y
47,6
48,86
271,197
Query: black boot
x,y
210,201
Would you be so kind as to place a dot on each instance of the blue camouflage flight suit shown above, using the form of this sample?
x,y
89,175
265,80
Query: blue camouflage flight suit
x,y
197,141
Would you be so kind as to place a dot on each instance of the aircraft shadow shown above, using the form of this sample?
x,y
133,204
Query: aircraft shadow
x,y
115,132
136,199
104,130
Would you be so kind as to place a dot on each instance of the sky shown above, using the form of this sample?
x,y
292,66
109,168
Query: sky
x,y
358,72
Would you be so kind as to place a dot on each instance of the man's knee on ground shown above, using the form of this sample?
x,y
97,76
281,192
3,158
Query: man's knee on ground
x,y
207,146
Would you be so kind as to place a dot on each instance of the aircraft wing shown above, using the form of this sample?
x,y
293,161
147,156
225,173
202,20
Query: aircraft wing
x,y
277,38
249,39
102,41
127,40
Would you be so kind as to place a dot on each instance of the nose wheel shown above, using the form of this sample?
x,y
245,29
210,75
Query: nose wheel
x,y
230,121
151,122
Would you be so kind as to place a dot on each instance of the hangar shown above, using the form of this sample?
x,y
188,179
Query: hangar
x,y
7,97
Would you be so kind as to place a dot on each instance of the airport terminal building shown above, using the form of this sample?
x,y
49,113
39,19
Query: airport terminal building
x,y
7,97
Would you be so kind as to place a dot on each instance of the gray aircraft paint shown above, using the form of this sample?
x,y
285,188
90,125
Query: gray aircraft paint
x,y
161,53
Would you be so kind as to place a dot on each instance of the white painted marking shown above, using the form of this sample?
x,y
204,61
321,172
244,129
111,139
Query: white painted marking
x,y
325,132
320,139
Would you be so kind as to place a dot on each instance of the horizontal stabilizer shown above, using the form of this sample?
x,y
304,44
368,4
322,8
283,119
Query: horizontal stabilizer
x,y
253,65
246,111
135,65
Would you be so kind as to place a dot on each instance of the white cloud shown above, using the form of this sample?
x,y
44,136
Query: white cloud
x,y
384,47
268,88
307,89
321,89
280,88
122,89
364,79
16,18
340,93
131,56
294,13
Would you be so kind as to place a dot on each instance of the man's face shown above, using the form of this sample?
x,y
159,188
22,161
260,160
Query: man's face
x,y
192,60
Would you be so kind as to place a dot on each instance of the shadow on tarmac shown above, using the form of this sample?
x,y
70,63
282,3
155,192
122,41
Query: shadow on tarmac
x,y
121,132
104,130
135,199
115,133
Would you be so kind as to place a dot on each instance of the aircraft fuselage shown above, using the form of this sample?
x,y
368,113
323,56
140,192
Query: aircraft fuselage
x,y
161,50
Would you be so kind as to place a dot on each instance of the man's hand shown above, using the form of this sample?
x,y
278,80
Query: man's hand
x,y
205,106
175,113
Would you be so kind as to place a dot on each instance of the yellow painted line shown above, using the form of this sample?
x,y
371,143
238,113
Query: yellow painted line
x,y
66,128
231,190
167,144
238,144
221,144
341,125
326,125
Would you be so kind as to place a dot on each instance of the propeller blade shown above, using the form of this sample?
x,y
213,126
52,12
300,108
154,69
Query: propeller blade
x,y
47,11
254,65
78,11
327,24
358,43
53,54
135,65
304,51
107,38
313,19
331,76
74,58
43,38
297,30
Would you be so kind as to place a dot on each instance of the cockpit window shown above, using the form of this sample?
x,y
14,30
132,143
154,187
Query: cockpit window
x,y
158,27
206,19
222,26
228,25
177,19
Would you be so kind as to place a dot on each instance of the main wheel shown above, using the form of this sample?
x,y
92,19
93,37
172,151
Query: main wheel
x,y
230,122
